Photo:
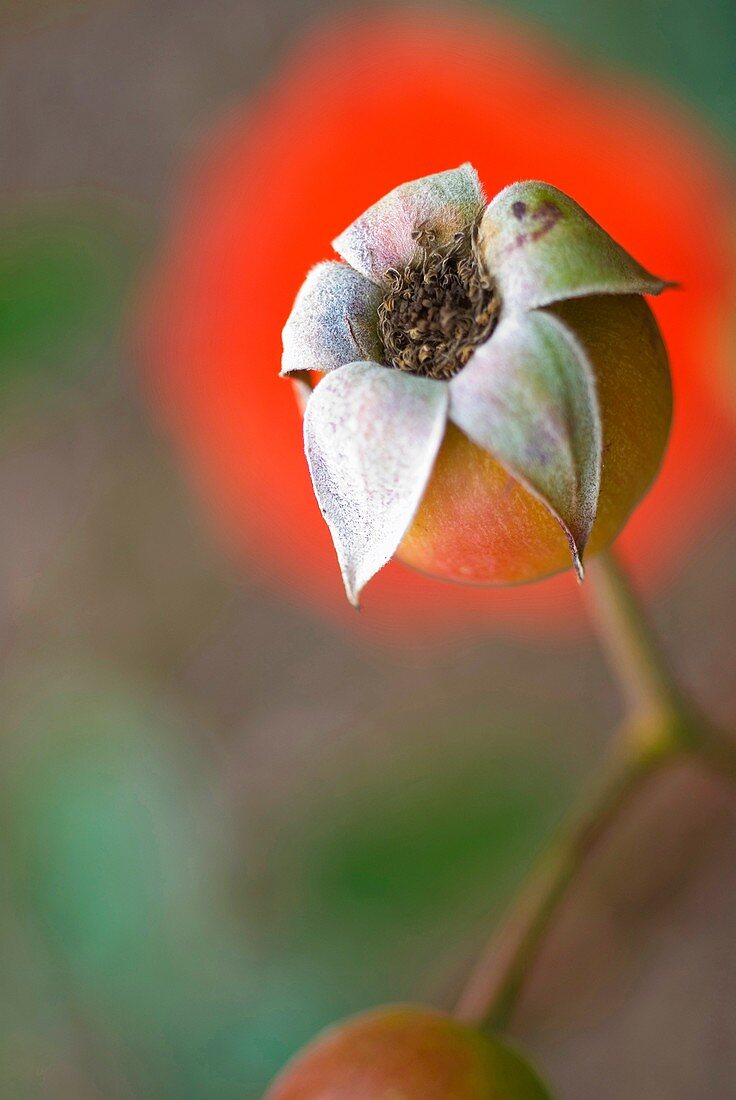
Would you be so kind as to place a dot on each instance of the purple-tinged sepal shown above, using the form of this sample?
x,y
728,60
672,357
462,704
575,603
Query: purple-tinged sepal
x,y
386,236
541,247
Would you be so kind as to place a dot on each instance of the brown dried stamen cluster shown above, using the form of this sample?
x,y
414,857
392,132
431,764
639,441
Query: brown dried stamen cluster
x,y
438,309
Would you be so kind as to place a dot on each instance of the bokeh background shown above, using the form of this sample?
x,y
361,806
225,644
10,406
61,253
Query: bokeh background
x,y
228,819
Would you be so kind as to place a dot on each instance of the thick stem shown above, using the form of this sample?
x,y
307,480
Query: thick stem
x,y
629,642
664,719
661,727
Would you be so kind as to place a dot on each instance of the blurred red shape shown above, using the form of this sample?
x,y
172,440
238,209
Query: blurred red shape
x,y
360,106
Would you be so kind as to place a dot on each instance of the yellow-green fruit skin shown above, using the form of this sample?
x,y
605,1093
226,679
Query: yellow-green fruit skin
x,y
478,524
406,1053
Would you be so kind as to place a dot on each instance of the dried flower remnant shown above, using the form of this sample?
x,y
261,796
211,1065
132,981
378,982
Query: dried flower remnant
x,y
479,417
439,308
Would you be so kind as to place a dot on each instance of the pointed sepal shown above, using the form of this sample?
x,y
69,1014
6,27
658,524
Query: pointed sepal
x,y
333,321
384,236
371,436
541,247
528,397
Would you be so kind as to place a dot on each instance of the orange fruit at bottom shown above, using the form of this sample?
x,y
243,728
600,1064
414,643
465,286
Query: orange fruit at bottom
x,y
406,1053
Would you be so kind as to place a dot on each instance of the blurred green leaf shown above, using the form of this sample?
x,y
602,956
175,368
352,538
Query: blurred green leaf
x,y
112,834
399,855
112,845
420,854
102,828
65,270
688,46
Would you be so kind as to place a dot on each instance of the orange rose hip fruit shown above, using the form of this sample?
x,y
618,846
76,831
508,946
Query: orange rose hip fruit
x,y
478,524
406,1053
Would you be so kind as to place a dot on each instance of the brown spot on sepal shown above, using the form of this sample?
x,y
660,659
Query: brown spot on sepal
x,y
548,216
542,220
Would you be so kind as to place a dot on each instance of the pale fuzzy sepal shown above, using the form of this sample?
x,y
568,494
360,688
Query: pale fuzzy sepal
x,y
528,397
371,436
333,321
541,247
383,237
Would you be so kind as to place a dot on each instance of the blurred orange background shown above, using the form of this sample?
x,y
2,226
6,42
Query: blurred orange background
x,y
232,809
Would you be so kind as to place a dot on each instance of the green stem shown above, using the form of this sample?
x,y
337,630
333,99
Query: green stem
x,y
663,719
628,639
662,727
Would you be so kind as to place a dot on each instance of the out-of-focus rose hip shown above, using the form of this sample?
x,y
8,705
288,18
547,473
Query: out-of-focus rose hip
x,y
407,1053
497,394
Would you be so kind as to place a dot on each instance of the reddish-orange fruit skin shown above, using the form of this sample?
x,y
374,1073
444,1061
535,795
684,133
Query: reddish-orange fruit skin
x,y
406,1053
478,524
